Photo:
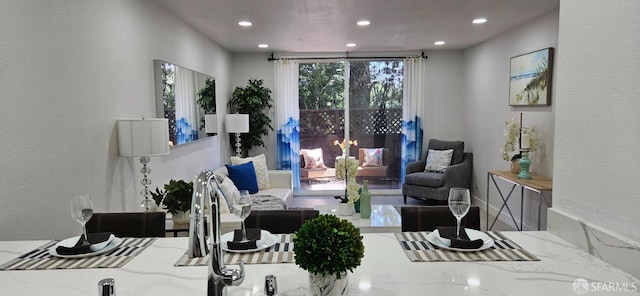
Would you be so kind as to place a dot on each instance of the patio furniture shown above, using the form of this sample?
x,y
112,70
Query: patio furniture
x,y
435,185
372,172
314,169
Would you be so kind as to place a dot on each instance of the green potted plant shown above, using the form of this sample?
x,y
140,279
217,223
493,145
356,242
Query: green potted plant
x,y
327,247
207,99
176,199
255,100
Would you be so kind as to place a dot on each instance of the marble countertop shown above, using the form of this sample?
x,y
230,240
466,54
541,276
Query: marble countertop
x,y
385,270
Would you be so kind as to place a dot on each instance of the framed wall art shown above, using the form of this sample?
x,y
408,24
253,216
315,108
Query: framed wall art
x,y
530,78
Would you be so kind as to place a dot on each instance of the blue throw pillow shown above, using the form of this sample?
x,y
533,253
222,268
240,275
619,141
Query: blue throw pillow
x,y
243,176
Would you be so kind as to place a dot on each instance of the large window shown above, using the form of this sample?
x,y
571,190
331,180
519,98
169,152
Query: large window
x,y
373,118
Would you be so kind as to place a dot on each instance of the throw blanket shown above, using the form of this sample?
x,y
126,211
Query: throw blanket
x,y
267,202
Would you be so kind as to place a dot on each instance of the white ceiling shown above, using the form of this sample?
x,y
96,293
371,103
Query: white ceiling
x,y
328,25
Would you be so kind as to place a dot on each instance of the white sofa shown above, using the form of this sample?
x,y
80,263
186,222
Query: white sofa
x,y
281,187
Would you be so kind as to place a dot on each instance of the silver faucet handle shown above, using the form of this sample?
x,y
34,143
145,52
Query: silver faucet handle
x,y
270,285
107,287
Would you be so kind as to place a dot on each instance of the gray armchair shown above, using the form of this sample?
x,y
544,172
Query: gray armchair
x,y
424,185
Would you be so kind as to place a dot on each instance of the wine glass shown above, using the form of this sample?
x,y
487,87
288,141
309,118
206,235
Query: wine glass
x,y
242,209
459,204
82,211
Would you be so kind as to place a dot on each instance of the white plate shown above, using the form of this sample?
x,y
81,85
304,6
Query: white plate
x,y
434,238
70,242
100,246
266,241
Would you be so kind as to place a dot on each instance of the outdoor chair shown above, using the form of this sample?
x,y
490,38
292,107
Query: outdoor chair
x,y
314,170
377,171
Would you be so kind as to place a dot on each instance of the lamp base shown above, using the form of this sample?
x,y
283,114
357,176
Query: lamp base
x,y
238,145
147,204
525,162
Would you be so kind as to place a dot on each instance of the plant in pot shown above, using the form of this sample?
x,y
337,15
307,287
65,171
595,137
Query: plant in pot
x,y
176,199
255,100
327,247
207,99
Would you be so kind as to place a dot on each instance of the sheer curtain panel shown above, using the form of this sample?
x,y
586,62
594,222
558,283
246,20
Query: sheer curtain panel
x,y
287,118
186,121
413,98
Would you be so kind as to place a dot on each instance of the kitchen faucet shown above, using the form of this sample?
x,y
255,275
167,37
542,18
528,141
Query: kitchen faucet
x,y
205,196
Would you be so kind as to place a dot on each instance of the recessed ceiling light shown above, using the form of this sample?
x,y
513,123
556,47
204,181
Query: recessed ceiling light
x,y
263,45
439,42
351,44
479,21
363,23
245,23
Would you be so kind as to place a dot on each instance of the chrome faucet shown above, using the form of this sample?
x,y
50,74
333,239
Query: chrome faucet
x,y
204,195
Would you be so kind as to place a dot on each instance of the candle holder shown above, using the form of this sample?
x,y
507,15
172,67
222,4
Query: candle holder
x,y
525,162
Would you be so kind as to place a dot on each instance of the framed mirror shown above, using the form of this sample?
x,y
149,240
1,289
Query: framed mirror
x,y
184,97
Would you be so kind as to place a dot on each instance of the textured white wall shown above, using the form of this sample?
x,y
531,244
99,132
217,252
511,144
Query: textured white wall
x,y
486,107
598,114
443,109
68,71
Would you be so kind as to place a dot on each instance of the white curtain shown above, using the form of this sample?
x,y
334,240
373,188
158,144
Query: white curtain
x,y
186,119
287,118
413,97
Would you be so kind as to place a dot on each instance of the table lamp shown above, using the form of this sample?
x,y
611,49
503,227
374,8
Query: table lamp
x,y
237,123
144,138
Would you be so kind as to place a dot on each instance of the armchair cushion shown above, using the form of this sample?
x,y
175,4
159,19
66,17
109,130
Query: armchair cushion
x,y
438,160
457,146
426,179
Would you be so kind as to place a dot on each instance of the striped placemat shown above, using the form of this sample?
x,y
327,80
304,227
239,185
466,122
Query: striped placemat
x,y
280,252
418,249
40,259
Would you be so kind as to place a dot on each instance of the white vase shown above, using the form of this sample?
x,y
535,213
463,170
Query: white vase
x,y
181,217
328,285
345,209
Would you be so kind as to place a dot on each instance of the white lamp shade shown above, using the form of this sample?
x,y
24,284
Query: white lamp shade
x,y
237,123
210,123
143,137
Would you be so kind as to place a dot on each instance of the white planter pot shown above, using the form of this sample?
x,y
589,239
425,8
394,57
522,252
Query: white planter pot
x,y
345,209
181,217
328,285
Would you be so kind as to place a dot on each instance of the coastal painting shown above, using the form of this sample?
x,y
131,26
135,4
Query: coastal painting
x,y
530,78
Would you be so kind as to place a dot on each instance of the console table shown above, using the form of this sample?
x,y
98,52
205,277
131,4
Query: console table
x,y
538,184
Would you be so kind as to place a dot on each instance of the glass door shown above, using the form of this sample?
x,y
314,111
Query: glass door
x,y
375,121
371,94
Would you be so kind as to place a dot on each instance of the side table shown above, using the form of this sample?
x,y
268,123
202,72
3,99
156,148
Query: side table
x,y
537,184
